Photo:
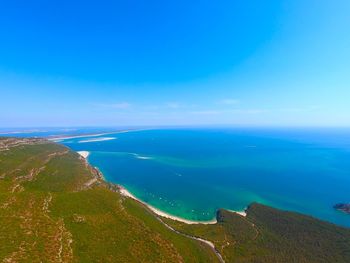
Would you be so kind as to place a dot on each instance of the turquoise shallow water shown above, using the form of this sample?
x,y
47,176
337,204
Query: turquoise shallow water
x,y
192,173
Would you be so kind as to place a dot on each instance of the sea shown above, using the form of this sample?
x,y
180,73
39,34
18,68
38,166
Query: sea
x,y
193,172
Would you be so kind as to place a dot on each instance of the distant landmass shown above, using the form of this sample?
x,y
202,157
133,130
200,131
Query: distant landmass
x,y
55,207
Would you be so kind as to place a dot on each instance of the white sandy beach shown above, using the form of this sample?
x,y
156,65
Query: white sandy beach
x,y
98,139
77,136
59,138
84,154
125,192
242,213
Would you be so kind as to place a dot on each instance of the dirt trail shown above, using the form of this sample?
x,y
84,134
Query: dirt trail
x,y
207,242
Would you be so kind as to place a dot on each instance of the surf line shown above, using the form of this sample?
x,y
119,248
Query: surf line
x,y
158,214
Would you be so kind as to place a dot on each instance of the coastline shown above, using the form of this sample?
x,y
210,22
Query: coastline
x,y
84,154
124,192
77,136
63,137
241,213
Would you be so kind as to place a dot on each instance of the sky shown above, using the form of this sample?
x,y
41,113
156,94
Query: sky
x,y
155,62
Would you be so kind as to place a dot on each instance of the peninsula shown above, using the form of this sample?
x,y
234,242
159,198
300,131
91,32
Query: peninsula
x,y
55,207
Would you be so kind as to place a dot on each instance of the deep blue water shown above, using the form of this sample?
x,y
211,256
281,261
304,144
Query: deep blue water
x,y
193,172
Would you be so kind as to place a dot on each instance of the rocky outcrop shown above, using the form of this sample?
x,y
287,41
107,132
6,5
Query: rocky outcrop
x,y
343,207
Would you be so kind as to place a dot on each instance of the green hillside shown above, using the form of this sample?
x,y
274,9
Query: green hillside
x,y
271,235
54,207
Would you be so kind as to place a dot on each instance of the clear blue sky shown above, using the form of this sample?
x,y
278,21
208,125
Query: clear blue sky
x,y
250,63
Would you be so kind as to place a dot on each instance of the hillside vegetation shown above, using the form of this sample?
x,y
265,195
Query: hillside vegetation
x,y
271,235
54,207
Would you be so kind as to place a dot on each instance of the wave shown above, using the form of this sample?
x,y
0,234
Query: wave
x,y
141,157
